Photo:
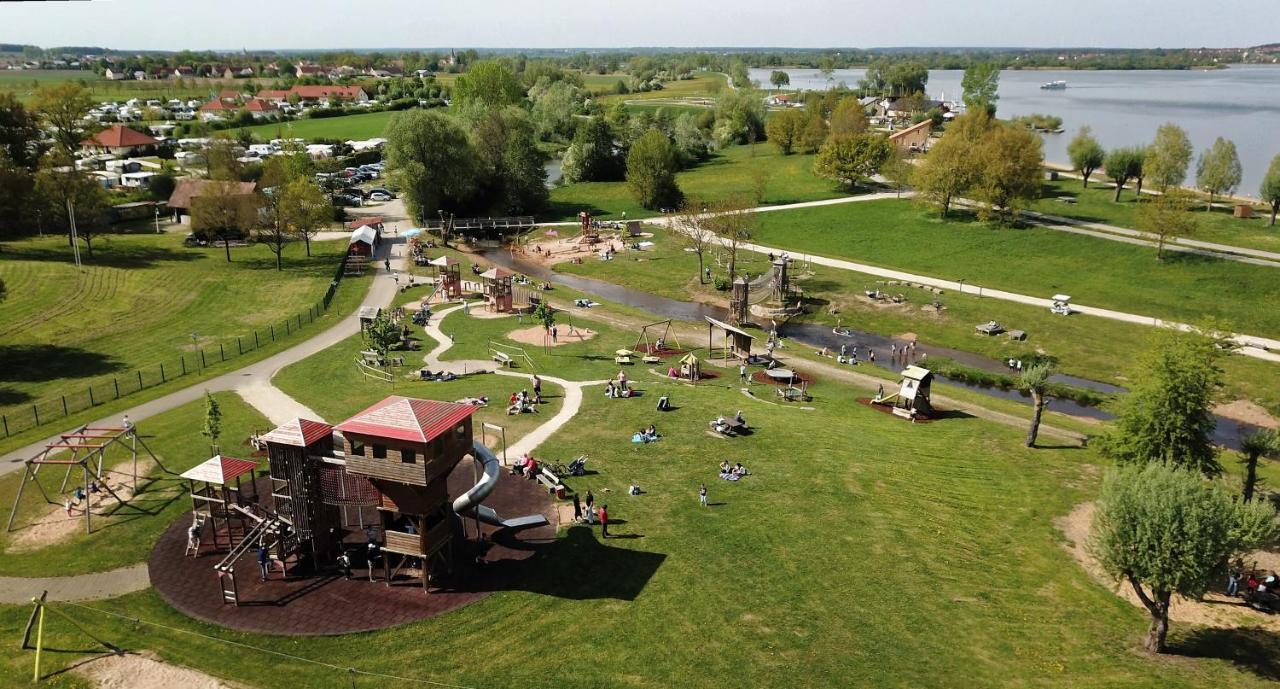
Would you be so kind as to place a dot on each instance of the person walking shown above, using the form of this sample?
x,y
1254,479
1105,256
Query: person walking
x,y
537,389
604,521
591,506
742,373
702,495
193,540
264,561
577,508
553,334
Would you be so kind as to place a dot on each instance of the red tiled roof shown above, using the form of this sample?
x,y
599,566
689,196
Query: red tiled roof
x,y
215,105
187,189
405,418
361,222
220,470
273,94
299,433
229,94
258,105
117,136
318,92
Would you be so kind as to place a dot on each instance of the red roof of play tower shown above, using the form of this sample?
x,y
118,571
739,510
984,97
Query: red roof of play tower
x,y
405,418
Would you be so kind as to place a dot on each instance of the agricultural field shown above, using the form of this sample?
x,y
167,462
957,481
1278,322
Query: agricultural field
x,y
24,83
1069,198
144,299
788,179
872,548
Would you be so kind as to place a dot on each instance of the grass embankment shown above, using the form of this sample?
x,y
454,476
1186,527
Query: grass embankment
x,y
1034,261
1095,204
861,546
365,125
137,304
1094,348
125,536
730,171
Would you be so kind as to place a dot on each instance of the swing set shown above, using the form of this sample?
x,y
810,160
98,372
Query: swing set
x,y
657,346
87,446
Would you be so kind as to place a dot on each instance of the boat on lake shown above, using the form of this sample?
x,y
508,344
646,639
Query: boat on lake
x,y
1058,85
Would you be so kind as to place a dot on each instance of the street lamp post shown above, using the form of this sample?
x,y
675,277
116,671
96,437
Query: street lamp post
x,y
962,285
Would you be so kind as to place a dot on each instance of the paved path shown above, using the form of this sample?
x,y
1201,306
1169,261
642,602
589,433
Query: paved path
x,y
530,441
381,291
117,582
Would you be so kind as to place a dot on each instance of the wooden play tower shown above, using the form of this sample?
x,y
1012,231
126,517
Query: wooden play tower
x,y
448,277
497,289
739,302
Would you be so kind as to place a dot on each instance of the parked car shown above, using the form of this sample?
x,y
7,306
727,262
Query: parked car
x,y
347,200
382,191
379,196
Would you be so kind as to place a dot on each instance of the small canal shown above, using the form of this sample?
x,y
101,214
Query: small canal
x,y
1227,432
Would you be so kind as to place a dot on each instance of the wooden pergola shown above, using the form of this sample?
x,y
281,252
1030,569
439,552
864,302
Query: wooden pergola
x,y
216,486
736,342
85,448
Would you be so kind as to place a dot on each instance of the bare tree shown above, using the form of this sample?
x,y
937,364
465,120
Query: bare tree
x,y
733,222
687,225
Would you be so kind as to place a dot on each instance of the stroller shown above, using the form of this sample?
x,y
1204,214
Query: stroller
x,y
578,467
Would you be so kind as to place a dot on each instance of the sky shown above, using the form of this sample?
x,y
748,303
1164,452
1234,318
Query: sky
x,y
341,24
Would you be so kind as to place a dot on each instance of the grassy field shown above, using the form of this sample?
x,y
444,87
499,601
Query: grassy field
x,y
361,126
1095,205
730,171
23,85
137,303
704,85
904,555
1034,261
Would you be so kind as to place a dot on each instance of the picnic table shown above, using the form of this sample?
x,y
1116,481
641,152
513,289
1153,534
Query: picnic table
x,y
989,328
782,375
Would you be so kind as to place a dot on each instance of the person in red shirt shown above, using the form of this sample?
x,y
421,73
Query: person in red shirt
x,y
604,521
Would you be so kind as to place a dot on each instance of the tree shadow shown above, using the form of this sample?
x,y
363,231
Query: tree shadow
x,y
1252,649
35,363
108,256
10,397
556,210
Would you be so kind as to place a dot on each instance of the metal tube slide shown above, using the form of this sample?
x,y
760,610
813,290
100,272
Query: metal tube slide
x,y
470,500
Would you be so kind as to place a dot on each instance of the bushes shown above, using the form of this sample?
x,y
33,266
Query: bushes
x,y
969,375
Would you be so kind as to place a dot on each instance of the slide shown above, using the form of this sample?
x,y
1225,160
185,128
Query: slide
x,y
471,500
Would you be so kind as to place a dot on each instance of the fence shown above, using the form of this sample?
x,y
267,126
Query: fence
x,y
103,390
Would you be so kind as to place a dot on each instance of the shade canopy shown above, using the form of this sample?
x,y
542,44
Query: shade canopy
x,y
414,232
220,470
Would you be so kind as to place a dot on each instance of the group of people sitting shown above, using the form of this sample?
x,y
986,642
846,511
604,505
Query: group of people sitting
x,y
526,466
619,389
439,376
1259,589
732,472
723,425
521,403
645,435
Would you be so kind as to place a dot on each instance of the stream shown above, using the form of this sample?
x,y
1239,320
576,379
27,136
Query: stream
x,y
1227,432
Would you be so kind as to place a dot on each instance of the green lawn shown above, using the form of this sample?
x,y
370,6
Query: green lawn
x,y
730,171
1095,204
901,555
1034,261
1093,348
23,85
136,305
365,125
125,537
703,85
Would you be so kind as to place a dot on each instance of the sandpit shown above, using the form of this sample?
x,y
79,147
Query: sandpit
x,y
537,336
1217,610
132,671
55,526
1248,412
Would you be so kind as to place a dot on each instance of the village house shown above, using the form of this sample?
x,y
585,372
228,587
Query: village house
x,y
306,70
187,189
316,94
914,138
119,140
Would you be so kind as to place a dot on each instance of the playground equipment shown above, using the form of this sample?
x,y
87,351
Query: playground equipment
x,y
590,233
912,398
497,289
448,276
739,301
93,442
690,368
736,342
653,348
1061,305
216,490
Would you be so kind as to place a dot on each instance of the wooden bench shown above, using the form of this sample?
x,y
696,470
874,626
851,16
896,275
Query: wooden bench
x,y
651,359
549,480
503,359
622,360
793,394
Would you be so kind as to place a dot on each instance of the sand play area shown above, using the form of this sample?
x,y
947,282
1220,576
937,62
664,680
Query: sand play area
x,y
1216,610
132,671
54,526
537,336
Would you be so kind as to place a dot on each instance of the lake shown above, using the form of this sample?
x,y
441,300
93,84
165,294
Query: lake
x,y
1124,108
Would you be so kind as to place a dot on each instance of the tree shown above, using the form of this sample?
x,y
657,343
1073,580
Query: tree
x,y
593,156
1010,160
1270,189
951,167
1034,380
488,84
981,86
848,117
739,119
1086,153
20,135
651,167
57,184
688,227
1166,531
63,108
814,134
1168,414
554,110
848,159
1263,442
1122,165
508,162
732,221
431,158
898,170
1218,170
212,428
1167,217
223,212
1167,158
779,79
383,334
785,130
546,316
